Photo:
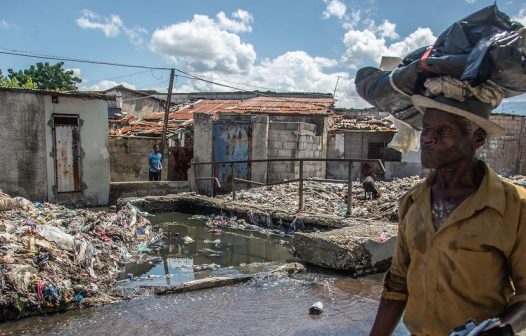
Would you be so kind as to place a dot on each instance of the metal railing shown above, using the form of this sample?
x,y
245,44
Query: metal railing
x,y
301,161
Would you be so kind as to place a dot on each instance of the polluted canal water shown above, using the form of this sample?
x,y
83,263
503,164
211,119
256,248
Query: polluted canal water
x,y
266,306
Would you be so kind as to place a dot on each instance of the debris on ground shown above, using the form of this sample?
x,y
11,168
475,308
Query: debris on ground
x,y
330,198
52,257
215,222
359,249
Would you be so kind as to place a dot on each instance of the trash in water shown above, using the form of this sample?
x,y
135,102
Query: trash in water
x,y
316,308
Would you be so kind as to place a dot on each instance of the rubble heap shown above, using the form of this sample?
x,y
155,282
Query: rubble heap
x,y
53,258
331,198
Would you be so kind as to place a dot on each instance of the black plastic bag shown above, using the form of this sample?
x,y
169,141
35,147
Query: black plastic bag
x,y
463,35
500,60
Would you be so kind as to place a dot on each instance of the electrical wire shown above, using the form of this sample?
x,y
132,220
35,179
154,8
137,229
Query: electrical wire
x,y
190,75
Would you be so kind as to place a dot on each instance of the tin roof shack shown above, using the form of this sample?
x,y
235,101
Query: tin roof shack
x,y
359,137
507,153
54,146
261,128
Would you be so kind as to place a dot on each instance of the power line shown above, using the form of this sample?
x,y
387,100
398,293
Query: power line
x,y
190,75
78,60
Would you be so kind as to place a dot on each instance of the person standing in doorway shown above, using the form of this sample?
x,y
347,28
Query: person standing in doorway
x,y
154,162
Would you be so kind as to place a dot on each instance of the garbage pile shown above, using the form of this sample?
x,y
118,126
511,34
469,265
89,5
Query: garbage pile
x,y
330,198
252,222
483,50
54,258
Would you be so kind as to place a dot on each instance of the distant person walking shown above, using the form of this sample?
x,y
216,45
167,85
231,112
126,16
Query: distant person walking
x,y
154,161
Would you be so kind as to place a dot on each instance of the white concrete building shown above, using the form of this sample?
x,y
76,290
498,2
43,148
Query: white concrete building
x,y
54,146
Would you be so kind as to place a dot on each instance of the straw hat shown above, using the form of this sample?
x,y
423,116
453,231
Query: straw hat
x,y
471,109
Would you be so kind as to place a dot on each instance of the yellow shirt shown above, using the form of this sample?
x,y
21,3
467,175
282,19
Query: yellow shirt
x,y
474,266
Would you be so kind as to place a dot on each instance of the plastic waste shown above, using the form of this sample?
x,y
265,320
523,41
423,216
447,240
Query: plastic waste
x,y
78,297
6,202
187,239
316,308
56,235
22,203
407,138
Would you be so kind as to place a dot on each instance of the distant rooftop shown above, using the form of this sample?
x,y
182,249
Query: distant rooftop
x,y
511,108
258,105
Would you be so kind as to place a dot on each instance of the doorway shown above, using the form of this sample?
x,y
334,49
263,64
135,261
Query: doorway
x,y
66,139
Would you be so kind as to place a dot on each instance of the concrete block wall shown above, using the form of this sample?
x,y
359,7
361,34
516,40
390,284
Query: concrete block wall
x,y
503,155
129,158
294,140
514,125
512,162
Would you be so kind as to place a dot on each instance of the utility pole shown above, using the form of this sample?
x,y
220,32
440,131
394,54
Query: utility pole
x,y
336,86
167,111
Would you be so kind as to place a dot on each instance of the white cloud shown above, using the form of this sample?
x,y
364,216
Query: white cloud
x,y
111,27
204,44
76,71
388,30
334,8
369,46
4,24
298,72
107,84
471,1
521,17
243,23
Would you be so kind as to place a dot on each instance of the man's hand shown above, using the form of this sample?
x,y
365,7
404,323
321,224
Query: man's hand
x,y
387,317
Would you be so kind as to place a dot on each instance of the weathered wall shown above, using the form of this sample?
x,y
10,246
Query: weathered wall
x,y
260,133
507,154
294,140
501,154
351,145
95,162
139,107
203,149
23,152
146,188
129,158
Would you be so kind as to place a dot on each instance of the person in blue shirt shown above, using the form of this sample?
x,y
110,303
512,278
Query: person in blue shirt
x,y
154,161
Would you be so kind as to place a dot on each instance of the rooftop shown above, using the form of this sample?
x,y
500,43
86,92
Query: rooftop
x,y
364,124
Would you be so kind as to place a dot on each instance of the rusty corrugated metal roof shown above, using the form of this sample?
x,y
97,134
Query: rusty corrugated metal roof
x,y
265,105
366,124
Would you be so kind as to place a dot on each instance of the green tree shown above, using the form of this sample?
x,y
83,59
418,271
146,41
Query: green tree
x,y
13,82
46,77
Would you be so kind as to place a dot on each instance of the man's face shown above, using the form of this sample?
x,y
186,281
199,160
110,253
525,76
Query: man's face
x,y
445,140
156,148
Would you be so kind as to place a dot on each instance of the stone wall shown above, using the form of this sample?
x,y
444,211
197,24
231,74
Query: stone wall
x,y
129,158
288,140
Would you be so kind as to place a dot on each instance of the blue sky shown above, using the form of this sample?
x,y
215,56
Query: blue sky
x,y
293,45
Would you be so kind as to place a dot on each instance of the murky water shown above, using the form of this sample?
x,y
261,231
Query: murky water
x,y
274,306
